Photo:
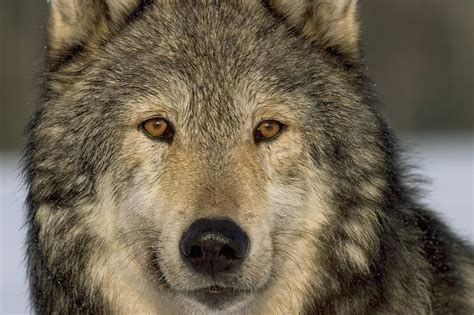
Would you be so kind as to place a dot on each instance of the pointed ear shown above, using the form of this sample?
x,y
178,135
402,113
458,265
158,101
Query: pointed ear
x,y
80,23
330,23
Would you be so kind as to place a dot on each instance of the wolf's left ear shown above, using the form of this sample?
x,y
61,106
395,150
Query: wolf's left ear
x,y
331,23
80,23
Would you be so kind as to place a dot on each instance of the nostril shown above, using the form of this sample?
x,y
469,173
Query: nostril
x,y
228,252
195,252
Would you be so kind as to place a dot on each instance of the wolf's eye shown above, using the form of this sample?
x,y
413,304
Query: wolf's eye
x,y
268,130
157,128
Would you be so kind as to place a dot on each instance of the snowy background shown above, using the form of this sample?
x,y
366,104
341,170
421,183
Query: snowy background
x,y
446,161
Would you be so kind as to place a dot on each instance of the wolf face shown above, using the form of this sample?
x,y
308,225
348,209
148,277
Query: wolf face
x,y
208,156
213,73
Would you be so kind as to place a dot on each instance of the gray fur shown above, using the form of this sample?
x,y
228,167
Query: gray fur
x,y
338,226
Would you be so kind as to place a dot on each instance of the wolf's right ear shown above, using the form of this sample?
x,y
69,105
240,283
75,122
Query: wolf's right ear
x,y
330,23
82,23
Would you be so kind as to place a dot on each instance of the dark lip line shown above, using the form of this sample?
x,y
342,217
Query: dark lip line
x,y
215,289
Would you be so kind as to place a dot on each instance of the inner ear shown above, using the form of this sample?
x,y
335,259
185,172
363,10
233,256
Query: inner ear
x,y
331,24
79,25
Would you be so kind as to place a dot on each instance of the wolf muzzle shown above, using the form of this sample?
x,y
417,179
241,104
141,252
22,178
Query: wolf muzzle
x,y
214,247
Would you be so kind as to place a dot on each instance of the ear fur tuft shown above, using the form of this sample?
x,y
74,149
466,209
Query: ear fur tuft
x,y
330,23
81,23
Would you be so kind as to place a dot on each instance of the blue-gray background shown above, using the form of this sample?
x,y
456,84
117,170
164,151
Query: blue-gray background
x,y
419,54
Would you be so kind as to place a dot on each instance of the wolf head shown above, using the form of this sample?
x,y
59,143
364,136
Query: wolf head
x,y
216,155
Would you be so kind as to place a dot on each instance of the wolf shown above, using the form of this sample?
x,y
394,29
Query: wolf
x,y
224,157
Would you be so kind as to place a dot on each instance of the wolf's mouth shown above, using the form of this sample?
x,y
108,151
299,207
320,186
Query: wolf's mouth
x,y
215,289
216,296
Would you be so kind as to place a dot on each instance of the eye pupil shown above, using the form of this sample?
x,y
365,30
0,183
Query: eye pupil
x,y
268,130
157,128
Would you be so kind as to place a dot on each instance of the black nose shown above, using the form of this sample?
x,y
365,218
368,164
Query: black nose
x,y
214,246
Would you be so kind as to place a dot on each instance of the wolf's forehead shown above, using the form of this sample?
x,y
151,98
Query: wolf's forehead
x,y
203,108
200,62
213,66
208,38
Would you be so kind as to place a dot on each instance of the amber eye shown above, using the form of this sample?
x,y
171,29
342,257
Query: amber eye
x,y
268,130
157,128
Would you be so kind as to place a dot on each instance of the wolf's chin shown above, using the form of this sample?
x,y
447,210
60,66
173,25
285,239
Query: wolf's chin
x,y
219,298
